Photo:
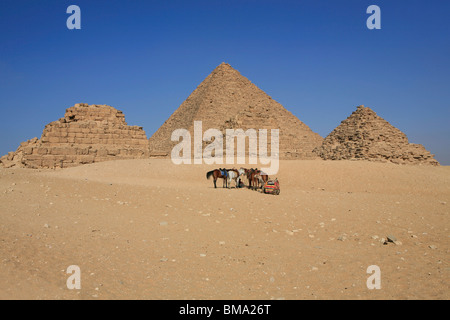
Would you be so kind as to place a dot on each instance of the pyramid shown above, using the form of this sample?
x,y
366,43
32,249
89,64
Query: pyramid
x,y
228,100
366,136
86,134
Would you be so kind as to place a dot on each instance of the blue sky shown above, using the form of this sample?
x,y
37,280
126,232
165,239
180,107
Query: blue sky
x,y
317,58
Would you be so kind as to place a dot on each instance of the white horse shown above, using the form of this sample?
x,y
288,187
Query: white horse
x,y
235,175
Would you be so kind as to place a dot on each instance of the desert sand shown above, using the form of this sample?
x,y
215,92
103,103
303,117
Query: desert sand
x,y
149,229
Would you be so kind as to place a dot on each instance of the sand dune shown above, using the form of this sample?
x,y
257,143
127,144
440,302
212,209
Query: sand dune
x,y
153,230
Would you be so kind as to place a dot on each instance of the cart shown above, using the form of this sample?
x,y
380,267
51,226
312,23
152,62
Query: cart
x,y
272,187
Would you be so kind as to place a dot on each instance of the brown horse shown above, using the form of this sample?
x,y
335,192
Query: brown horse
x,y
216,174
249,173
251,177
256,178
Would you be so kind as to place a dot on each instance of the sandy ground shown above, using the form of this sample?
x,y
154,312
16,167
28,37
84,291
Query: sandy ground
x,y
148,229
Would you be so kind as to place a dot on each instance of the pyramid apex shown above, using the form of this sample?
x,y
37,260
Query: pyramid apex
x,y
364,110
224,66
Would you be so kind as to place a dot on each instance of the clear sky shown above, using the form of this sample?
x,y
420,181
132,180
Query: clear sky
x,y
316,57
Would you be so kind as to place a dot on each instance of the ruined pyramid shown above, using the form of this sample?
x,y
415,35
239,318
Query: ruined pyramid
x,y
228,100
86,134
366,136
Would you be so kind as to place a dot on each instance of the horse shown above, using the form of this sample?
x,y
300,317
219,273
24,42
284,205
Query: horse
x,y
256,178
260,178
241,172
217,173
247,174
251,177
233,174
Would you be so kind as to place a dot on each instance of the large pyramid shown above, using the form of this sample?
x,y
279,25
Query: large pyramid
x,y
366,136
228,100
86,134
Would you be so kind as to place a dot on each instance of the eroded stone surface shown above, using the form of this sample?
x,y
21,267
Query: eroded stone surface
x,y
366,136
86,134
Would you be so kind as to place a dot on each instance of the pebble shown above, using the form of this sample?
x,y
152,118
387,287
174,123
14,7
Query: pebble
x,y
432,247
163,223
391,238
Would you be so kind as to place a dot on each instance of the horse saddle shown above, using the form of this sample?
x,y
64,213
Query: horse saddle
x,y
224,173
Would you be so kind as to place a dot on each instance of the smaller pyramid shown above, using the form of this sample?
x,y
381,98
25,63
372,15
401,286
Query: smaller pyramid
x,y
86,134
366,136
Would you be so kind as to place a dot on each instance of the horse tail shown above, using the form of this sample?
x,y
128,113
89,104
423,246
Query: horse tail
x,y
209,174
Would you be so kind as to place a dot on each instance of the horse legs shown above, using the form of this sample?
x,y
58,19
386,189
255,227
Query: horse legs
x,y
215,183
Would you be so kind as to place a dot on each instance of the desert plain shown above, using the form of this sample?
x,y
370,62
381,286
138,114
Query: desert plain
x,y
149,229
